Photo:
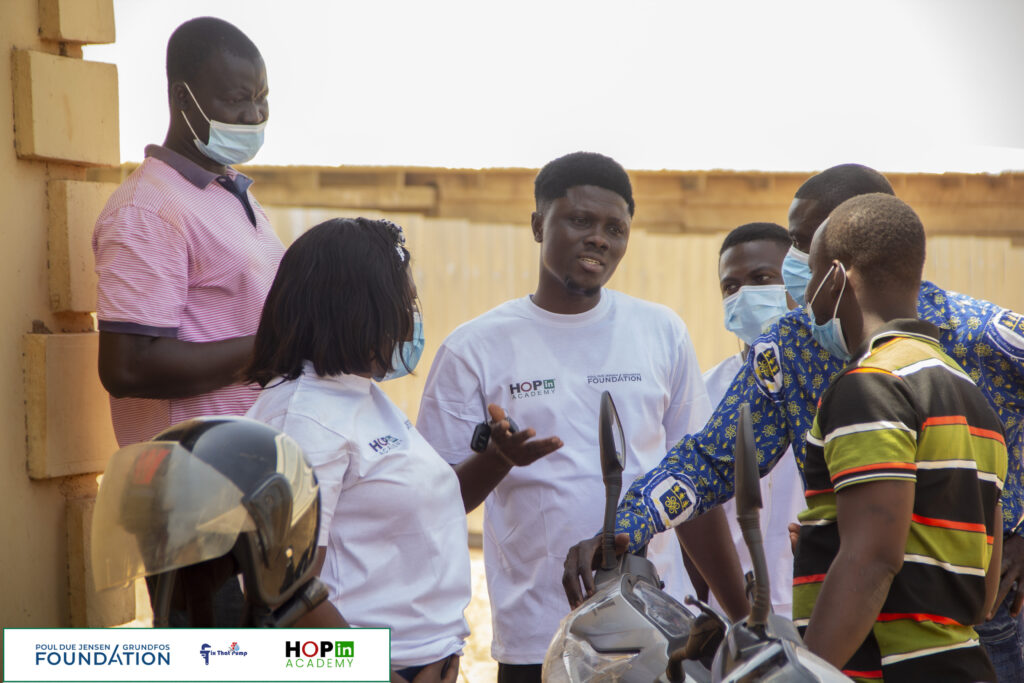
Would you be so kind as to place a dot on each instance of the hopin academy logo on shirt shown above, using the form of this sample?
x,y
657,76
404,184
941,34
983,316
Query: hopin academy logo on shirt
x,y
532,387
384,444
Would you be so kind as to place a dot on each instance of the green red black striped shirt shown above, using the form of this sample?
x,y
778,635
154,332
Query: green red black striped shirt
x,y
905,411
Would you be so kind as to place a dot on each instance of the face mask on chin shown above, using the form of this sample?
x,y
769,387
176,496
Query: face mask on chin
x,y
751,310
229,143
830,334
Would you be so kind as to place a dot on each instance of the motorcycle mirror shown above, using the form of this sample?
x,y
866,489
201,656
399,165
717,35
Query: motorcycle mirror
x,y
748,483
613,460
610,437
748,506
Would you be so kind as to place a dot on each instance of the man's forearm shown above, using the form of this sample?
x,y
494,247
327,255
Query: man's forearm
x,y
851,597
697,473
161,367
479,474
708,542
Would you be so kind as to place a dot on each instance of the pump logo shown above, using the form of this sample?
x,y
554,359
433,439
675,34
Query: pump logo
x,y
324,654
532,387
233,650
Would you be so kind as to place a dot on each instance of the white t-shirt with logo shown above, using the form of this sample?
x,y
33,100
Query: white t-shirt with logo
x,y
392,516
548,371
782,497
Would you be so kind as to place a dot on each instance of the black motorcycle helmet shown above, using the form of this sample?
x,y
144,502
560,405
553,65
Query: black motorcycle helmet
x,y
212,497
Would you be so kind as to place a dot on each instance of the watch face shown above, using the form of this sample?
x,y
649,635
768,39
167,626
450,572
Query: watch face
x,y
481,435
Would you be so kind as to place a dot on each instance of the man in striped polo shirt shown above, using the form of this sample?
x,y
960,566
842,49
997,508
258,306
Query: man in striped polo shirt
x,y
899,549
184,253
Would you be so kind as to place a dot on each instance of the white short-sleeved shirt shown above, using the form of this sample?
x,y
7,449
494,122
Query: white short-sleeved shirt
x,y
392,515
782,497
182,253
548,371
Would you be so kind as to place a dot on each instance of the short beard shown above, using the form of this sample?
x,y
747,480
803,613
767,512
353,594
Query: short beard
x,y
575,288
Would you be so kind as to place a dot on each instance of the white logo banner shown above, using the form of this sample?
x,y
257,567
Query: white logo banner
x,y
186,654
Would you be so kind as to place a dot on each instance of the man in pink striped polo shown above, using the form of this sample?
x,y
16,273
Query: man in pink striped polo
x,y
184,253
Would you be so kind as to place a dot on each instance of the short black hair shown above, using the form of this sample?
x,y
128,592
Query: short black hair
x,y
881,237
197,40
342,299
835,185
581,168
755,232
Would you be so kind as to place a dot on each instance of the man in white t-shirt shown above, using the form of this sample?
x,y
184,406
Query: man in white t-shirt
x,y
546,358
754,296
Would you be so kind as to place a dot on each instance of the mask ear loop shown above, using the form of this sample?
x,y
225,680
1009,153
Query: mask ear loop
x,y
820,285
196,102
842,289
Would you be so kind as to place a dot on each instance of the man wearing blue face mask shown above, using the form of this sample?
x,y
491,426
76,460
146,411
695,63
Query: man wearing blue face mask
x,y
790,367
184,253
754,297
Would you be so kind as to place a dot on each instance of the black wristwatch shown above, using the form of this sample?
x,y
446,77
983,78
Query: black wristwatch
x,y
482,434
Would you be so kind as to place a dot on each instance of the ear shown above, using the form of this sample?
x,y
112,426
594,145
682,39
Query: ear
x,y
537,225
179,95
855,281
839,279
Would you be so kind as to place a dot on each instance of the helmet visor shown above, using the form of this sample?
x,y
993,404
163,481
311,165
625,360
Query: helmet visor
x,y
160,508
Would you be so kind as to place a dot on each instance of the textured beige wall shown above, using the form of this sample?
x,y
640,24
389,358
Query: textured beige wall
x,y
49,94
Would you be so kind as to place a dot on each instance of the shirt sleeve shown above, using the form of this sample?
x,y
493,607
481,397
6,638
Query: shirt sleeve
x,y
697,473
1001,353
142,269
331,457
868,427
451,406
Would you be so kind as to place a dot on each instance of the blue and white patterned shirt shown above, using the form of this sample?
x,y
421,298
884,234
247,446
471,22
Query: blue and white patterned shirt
x,y
785,374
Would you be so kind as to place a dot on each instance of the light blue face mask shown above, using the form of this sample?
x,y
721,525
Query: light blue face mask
x,y
229,143
406,354
830,334
752,309
796,274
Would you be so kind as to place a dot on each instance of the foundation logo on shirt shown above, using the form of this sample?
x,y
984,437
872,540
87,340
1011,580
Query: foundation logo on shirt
x,y
614,377
532,387
767,368
385,444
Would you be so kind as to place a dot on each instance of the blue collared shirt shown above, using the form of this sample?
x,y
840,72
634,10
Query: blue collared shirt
x,y
783,377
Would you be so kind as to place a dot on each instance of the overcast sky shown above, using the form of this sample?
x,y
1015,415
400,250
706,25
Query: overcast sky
x,y
911,85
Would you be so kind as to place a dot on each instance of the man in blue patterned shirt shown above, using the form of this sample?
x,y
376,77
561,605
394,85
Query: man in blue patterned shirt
x,y
786,372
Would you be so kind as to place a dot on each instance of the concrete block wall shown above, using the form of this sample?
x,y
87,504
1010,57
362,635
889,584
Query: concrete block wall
x,y
65,109
57,118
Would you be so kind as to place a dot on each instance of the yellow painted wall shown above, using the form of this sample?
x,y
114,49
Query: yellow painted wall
x,y
58,115
32,556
